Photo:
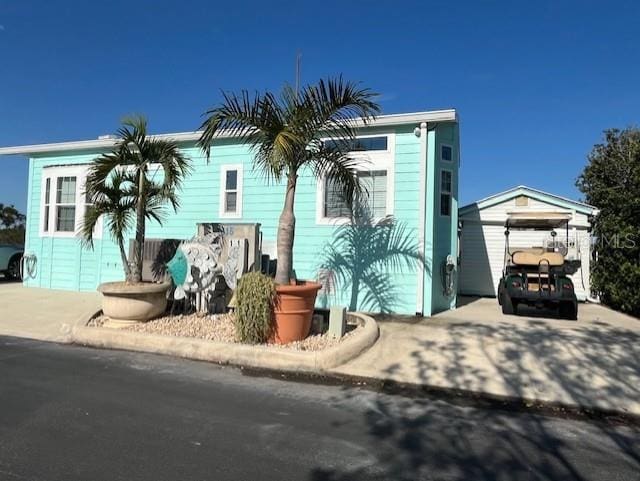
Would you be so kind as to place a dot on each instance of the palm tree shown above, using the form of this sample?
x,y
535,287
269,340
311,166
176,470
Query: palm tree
x,y
365,252
120,187
284,133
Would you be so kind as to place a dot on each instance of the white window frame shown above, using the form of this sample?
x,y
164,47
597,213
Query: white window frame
x,y
53,173
449,193
45,218
366,161
452,153
223,190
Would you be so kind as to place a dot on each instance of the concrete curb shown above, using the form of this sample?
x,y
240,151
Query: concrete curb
x,y
460,397
264,357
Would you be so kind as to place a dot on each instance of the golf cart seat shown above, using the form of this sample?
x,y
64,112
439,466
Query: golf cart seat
x,y
536,256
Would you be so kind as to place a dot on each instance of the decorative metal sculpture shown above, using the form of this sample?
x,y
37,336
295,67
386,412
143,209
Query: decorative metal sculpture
x,y
234,266
195,268
199,264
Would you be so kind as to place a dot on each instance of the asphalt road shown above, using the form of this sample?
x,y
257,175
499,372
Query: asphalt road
x,y
69,413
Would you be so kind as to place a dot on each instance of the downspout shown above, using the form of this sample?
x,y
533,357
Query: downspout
x,y
421,132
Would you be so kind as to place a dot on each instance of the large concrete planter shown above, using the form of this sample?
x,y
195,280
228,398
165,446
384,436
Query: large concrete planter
x,y
294,310
258,356
125,304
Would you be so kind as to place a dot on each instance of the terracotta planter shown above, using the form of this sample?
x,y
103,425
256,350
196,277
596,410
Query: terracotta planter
x,y
127,304
294,310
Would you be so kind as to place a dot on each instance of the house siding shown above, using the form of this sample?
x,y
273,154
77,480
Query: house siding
x,y
63,263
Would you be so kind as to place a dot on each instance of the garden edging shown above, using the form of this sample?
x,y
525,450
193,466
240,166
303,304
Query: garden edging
x,y
266,357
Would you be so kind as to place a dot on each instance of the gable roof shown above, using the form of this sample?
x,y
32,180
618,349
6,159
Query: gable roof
x,y
107,142
536,194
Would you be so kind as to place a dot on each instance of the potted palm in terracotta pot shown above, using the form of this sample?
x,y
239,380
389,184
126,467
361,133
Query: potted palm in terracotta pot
x,y
288,134
134,182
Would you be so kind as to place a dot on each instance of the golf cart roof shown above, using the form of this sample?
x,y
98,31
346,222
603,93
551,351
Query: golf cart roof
x,y
537,220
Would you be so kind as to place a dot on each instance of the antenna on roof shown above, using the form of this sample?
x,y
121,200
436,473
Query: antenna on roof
x,y
298,60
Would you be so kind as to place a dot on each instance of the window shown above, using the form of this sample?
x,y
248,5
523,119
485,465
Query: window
x,y
445,192
374,185
63,204
446,153
335,206
522,201
361,144
66,204
231,191
374,165
88,204
47,201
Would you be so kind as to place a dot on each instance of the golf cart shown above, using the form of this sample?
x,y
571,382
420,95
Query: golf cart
x,y
537,276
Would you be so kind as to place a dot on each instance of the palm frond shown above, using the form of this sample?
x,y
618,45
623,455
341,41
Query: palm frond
x,y
284,134
337,106
117,180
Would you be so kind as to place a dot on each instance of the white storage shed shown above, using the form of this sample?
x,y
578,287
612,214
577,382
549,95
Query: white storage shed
x,y
482,242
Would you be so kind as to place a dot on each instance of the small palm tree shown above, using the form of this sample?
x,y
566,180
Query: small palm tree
x,y
120,187
365,252
284,133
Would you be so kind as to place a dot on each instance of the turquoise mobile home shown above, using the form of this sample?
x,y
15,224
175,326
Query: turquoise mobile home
x,y
409,163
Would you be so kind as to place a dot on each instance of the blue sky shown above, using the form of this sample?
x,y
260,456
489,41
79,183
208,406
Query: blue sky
x,y
535,83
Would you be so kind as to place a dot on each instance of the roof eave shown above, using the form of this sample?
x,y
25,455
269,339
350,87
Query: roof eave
x,y
448,115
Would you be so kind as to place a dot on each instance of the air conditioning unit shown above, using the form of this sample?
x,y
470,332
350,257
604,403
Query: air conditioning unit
x,y
155,255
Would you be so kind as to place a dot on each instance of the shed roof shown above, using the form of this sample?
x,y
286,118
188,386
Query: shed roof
x,y
553,199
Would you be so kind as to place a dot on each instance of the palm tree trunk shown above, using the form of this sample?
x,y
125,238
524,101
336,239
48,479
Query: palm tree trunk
x,y
355,288
286,231
136,275
123,256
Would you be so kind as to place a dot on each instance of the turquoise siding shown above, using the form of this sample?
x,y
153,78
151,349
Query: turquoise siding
x,y
64,264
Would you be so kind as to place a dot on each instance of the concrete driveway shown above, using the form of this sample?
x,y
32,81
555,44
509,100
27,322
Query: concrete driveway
x,y
44,314
483,309
591,362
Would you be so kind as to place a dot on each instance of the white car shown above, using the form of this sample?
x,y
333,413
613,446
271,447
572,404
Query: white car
x,y
10,258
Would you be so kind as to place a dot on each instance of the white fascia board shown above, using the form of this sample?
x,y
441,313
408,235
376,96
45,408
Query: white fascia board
x,y
448,115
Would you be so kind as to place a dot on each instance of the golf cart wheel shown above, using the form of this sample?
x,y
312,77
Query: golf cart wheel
x,y
569,310
508,307
13,269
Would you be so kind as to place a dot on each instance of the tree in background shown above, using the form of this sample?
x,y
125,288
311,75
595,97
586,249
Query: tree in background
x,y
611,182
10,217
11,225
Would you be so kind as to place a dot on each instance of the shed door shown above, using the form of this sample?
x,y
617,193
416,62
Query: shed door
x,y
481,259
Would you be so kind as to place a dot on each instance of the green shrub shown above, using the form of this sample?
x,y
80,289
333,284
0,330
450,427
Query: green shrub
x,y
255,297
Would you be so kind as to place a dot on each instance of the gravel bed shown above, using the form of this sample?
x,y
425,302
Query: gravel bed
x,y
218,327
